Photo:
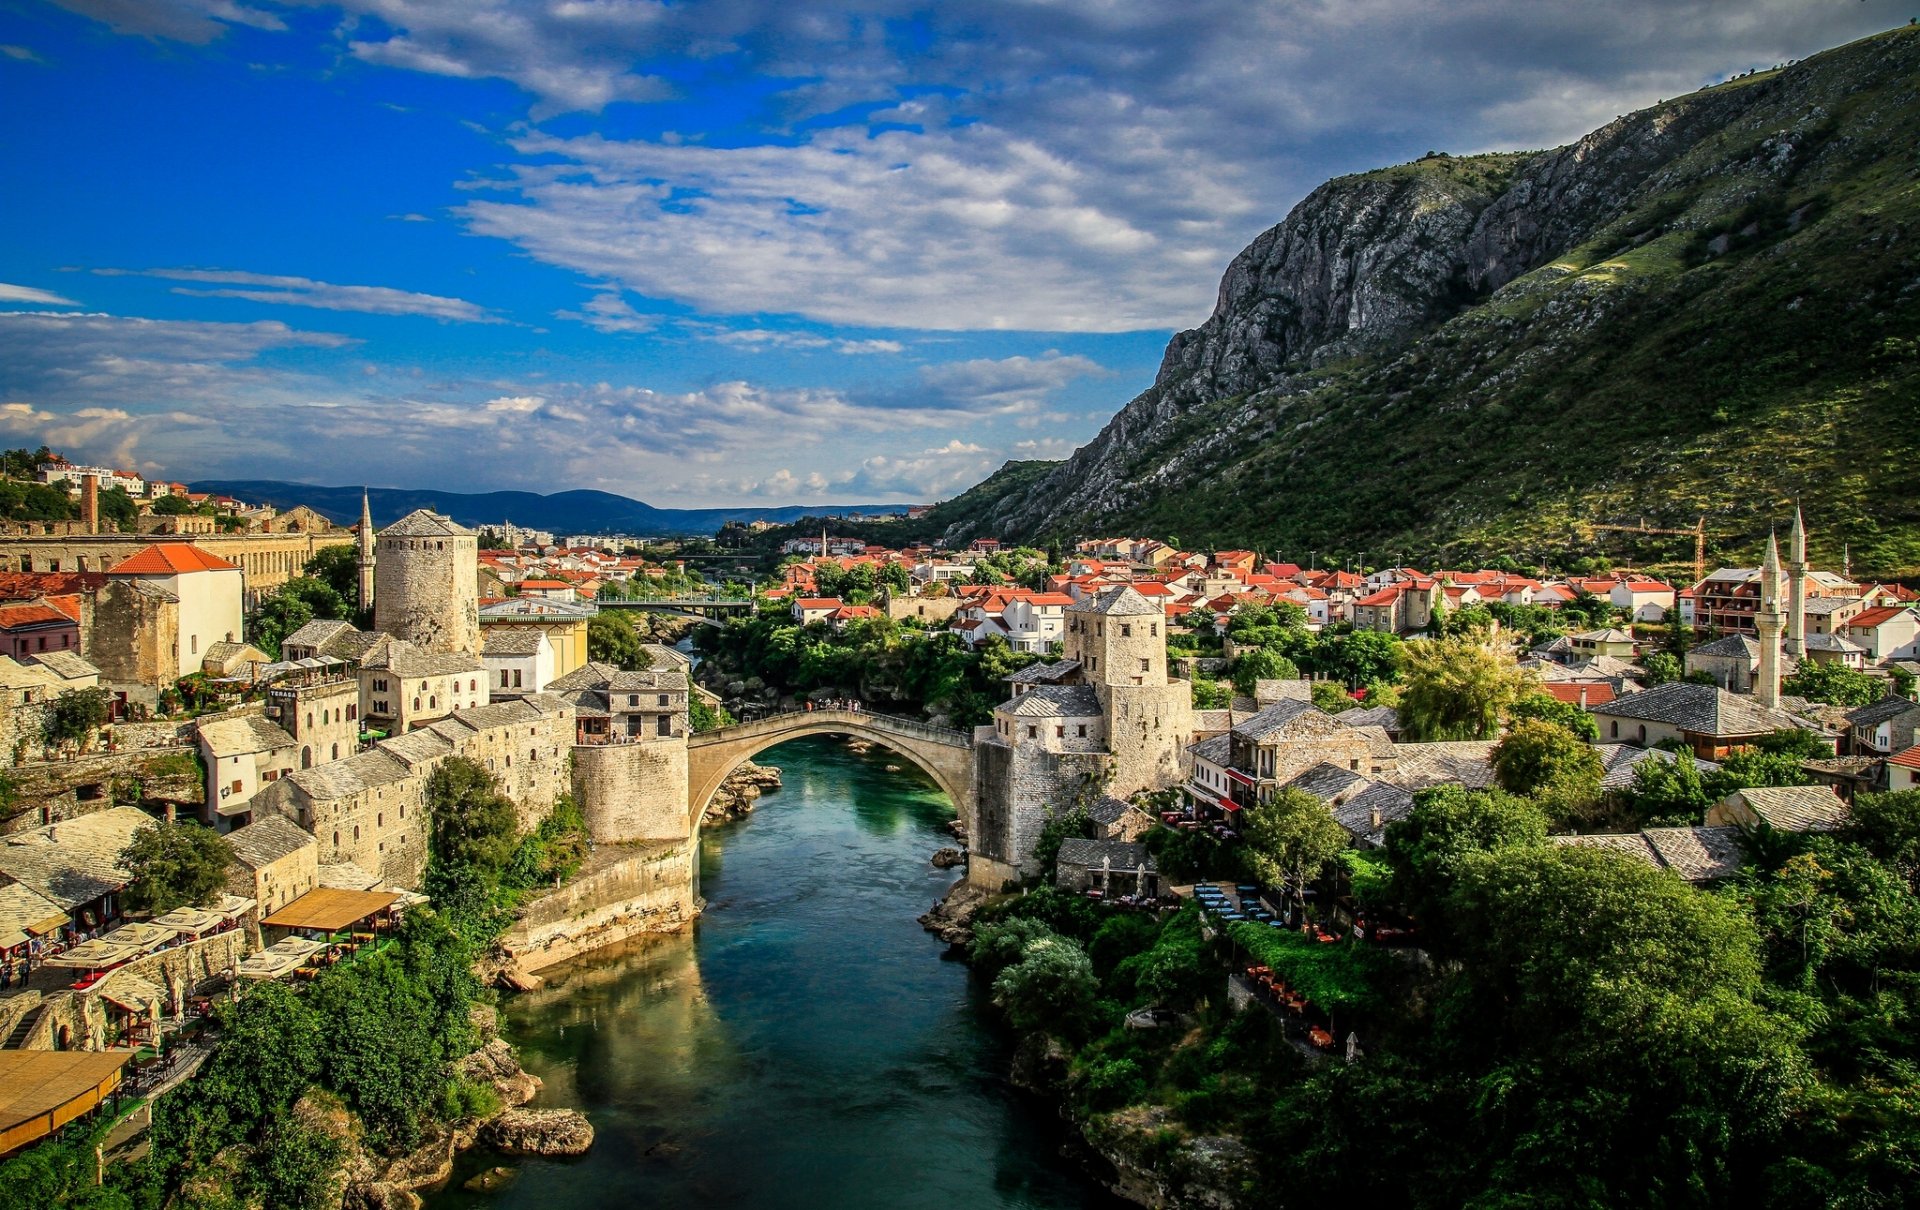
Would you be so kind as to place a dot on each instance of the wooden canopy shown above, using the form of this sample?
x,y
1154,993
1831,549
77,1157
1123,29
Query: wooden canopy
x,y
43,1090
330,909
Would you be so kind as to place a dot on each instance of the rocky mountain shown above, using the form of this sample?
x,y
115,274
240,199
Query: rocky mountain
x,y
1707,308
576,512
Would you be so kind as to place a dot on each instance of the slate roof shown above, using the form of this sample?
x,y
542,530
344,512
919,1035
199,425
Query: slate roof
x,y
67,665
1797,808
1828,605
1702,709
1326,780
1375,716
1218,750
1119,601
1044,674
1109,810
267,840
1092,854
1873,714
1452,763
1355,812
512,641
340,778
1696,854
1833,642
665,658
425,523
1619,761
74,861
240,736
1285,720
1056,701
589,675
404,659
1734,645
648,682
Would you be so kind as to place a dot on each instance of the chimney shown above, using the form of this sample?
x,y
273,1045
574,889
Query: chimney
x,y
1583,697
1373,818
90,503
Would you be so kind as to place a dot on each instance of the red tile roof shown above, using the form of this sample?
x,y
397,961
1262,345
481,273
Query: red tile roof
x,y
16,617
170,559
1867,619
1598,693
820,602
27,585
1910,759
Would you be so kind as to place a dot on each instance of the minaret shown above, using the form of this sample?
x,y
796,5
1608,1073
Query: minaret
x,y
366,551
1767,622
1797,589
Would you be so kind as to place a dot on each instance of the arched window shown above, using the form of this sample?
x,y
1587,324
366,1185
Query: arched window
x,y
306,758
356,831
336,752
336,840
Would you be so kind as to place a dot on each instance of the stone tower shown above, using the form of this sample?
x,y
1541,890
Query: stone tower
x,y
1767,624
1120,639
426,583
1797,589
364,547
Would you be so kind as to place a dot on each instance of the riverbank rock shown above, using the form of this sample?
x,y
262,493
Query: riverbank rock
x,y
1201,1172
490,1180
957,828
539,1132
951,919
947,858
741,791
496,1065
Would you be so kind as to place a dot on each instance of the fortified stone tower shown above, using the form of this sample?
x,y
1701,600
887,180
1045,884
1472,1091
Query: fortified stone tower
x,y
1120,640
426,583
1767,624
364,548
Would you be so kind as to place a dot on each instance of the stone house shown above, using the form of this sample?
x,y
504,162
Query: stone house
x,y
1885,727
1698,855
808,610
1116,819
206,595
1271,748
1360,804
1611,642
404,687
1707,719
242,752
75,863
518,660
563,622
1784,808
234,661
275,863
1732,661
1112,867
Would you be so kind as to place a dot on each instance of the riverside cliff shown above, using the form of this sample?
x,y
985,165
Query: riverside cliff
x,y
1700,309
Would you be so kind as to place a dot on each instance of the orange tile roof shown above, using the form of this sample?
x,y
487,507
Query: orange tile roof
x,y
170,559
820,602
1910,759
1596,693
13,617
1867,619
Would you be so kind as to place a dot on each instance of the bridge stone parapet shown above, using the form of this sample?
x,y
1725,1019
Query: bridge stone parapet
x,y
943,754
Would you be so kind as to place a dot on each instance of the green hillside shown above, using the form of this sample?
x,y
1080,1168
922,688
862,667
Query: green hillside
x,y
1738,328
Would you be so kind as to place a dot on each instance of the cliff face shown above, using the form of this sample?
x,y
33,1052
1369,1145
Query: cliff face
x,y
1462,322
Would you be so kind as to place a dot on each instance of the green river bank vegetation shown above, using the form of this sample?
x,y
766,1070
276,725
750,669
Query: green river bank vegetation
x,y
361,1056
1570,1027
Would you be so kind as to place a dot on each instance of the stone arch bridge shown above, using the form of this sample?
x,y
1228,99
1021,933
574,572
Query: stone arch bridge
x,y
944,755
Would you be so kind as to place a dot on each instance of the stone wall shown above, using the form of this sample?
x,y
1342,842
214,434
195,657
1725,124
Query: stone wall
x,y
624,891
160,780
1148,730
135,638
633,792
1015,790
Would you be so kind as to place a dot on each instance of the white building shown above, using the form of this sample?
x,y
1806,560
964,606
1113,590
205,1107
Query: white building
x,y
209,591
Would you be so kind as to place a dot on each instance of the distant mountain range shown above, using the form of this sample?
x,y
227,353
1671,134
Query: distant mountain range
x,y
580,512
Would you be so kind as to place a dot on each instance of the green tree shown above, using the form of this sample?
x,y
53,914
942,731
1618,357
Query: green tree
x,y
474,823
1888,826
1329,697
1291,836
338,567
1662,667
1456,689
291,606
611,639
75,717
1551,709
1052,988
1447,827
1537,755
118,510
1834,684
174,865
1668,792
704,717
1262,664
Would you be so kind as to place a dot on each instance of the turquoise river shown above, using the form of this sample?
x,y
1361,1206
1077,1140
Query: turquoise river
x,y
806,1045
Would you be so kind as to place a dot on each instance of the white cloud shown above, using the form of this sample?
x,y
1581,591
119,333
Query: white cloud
x,y
766,338
21,53
195,21
608,311
27,294
306,292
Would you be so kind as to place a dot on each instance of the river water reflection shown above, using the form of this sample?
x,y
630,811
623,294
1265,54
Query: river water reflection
x,y
806,1046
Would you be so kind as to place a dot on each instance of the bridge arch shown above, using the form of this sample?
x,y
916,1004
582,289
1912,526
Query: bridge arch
x,y
944,756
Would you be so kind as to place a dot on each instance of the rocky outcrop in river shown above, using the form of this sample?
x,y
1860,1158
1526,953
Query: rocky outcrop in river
x,y
740,793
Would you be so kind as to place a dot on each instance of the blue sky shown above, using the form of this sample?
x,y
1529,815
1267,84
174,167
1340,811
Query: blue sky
x,y
713,251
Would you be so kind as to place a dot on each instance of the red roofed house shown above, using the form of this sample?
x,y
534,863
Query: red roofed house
x,y
1583,694
160,611
1887,632
839,618
1903,770
808,610
1644,600
36,627
552,590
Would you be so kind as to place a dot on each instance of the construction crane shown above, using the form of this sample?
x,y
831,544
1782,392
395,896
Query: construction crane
x,y
1698,533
